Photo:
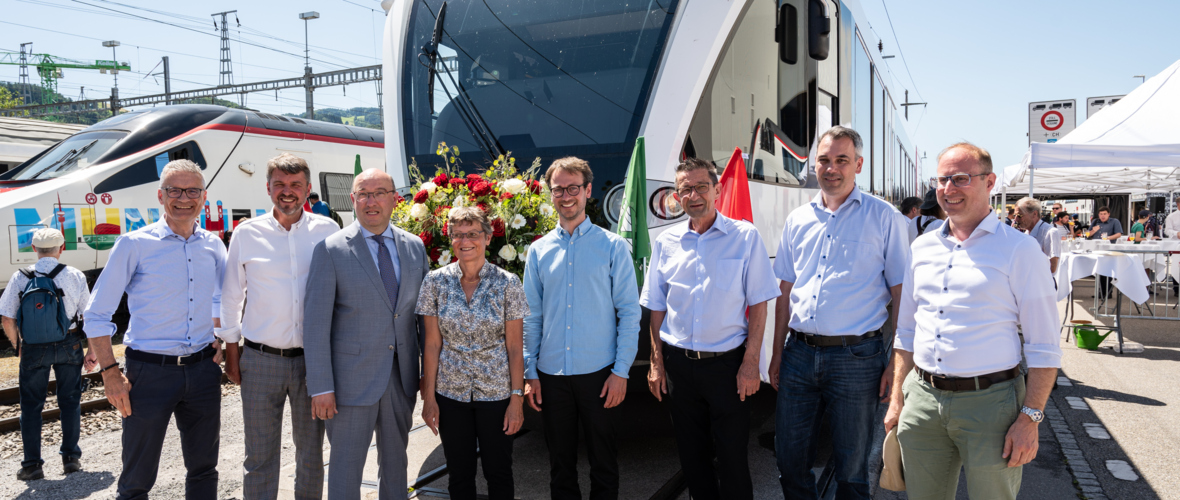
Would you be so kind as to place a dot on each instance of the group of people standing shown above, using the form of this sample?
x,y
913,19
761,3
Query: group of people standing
x,y
349,325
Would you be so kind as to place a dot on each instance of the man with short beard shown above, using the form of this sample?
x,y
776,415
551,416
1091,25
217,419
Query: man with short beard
x,y
171,271
581,335
269,258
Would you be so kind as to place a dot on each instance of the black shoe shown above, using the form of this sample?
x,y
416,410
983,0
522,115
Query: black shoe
x,y
30,473
70,465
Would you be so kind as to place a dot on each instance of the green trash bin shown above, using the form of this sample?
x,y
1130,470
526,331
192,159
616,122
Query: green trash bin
x,y
1088,337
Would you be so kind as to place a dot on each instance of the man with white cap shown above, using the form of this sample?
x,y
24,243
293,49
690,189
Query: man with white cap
x,y
40,309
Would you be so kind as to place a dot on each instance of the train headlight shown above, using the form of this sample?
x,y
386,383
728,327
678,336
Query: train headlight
x,y
663,204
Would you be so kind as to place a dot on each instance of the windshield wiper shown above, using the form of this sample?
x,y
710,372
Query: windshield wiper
x,y
467,111
66,159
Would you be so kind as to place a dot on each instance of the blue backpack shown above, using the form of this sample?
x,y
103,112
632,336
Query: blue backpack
x,y
42,315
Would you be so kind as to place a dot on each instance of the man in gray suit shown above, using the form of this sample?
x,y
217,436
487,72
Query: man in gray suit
x,y
362,339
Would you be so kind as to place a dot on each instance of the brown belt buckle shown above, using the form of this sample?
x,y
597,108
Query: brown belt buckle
x,y
688,353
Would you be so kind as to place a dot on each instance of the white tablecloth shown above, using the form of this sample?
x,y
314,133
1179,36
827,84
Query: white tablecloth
x,y
1158,263
1127,272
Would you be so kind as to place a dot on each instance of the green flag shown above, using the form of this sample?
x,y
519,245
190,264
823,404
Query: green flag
x,y
633,213
358,165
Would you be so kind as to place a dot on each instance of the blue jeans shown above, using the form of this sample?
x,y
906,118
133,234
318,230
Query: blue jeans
x,y
65,358
843,382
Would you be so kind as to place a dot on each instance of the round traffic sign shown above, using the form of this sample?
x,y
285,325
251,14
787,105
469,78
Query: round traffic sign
x,y
91,198
1052,120
106,198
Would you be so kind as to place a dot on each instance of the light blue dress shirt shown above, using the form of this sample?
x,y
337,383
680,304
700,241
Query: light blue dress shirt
x,y
705,282
584,303
842,264
173,288
389,246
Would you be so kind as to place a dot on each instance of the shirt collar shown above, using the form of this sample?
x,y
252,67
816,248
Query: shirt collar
x,y
164,230
274,221
45,264
369,234
989,224
722,223
580,229
855,195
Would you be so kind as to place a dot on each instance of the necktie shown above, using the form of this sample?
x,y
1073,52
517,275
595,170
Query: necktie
x,y
385,266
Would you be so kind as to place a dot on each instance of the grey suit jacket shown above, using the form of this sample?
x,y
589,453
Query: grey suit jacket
x,y
350,329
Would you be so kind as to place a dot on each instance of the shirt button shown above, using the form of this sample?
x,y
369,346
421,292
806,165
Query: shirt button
x,y
571,284
569,305
813,296
944,288
939,360
948,267
938,336
391,348
940,312
567,348
190,319
818,275
567,328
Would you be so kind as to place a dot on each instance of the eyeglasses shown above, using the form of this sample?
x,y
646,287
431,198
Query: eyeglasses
x,y
959,180
700,189
472,236
567,191
362,195
193,193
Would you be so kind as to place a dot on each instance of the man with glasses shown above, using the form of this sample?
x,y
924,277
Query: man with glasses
x,y
361,339
959,397
269,257
706,275
171,271
578,358
840,249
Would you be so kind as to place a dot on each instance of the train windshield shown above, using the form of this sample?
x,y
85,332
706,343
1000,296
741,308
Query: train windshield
x,y
544,78
74,153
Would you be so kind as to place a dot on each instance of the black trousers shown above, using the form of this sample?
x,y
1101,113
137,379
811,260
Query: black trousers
x,y
193,394
710,420
471,429
571,403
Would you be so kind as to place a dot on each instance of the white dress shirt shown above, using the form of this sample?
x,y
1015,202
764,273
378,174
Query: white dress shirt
x,y
962,301
1048,239
705,282
270,263
842,264
912,226
1172,225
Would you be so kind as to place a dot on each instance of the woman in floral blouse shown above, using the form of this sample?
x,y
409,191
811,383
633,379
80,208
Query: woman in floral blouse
x,y
474,358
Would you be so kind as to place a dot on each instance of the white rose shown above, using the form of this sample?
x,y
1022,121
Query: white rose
x,y
419,211
460,201
546,209
507,252
445,258
429,187
440,196
514,186
525,252
518,221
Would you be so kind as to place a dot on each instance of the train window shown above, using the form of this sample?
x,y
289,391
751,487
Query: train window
x,y
336,190
862,109
879,137
76,152
828,76
148,170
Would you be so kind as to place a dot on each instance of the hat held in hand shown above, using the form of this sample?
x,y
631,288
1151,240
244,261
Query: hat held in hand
x,y
892,476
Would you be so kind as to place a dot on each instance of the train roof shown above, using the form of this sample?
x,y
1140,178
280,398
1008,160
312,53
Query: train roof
x,y
153,126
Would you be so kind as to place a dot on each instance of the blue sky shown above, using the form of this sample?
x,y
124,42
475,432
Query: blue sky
x,y
978,63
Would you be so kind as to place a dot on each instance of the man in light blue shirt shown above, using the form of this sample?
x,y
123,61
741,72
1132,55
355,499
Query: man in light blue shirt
x,y
705,275
581,336
171,271
842,260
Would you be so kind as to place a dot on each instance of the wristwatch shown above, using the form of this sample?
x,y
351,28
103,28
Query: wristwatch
x,y
518,392
1036,415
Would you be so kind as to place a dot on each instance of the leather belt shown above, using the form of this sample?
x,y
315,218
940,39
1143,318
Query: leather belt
x,y
691,354
968,383
164,360
294,352
834,340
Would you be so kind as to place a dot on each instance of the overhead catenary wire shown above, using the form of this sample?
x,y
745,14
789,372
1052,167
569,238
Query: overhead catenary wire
x,y
900,53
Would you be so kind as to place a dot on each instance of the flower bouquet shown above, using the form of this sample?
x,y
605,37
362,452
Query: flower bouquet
x,y
516,204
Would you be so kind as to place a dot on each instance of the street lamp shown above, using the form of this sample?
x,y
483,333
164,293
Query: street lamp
x,y
307,16
114,70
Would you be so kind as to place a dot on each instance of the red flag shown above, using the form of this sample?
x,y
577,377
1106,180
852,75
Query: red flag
x,y
734,201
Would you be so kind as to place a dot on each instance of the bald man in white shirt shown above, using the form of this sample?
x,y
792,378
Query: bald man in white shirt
x,y
959,397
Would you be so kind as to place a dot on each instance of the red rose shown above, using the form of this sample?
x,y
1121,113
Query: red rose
x,y
438,212
506,196
537,237
444,229
427,238
458,181
421,196
440,179
534,186
483,206
398,199
497,227
480,188
472,178
435,253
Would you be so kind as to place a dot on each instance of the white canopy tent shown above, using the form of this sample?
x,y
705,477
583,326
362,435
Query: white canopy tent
x,y
1130,147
